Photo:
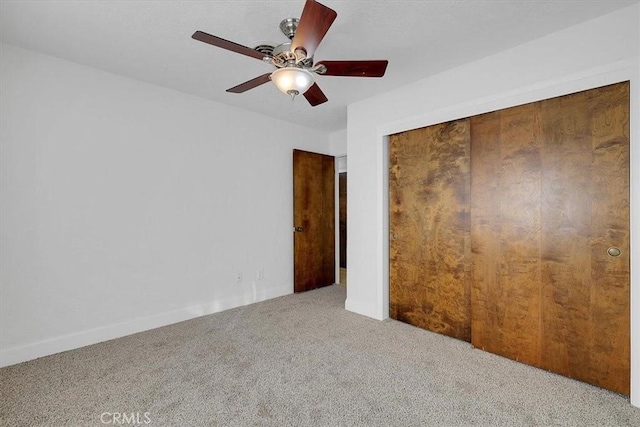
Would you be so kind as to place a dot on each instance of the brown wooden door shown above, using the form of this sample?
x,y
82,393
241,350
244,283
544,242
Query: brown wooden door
x,y
429,246
550,192
505,234
313,220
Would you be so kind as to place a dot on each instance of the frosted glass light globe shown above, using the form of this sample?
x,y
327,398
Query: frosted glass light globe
x,y
292,81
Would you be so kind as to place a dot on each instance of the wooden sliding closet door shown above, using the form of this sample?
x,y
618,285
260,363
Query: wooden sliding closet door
x,y
429,246
506,233
585,154
550,196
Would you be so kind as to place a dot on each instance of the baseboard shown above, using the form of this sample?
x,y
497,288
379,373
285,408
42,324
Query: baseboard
x,y
363,309
12,356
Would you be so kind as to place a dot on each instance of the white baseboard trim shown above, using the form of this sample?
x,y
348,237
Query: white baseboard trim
x,y
15,355
363,309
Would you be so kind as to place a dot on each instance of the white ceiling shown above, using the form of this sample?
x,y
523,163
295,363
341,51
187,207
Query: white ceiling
x,y
151,41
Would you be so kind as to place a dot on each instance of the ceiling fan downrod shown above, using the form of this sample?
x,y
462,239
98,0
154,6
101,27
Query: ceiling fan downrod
x,y
289,26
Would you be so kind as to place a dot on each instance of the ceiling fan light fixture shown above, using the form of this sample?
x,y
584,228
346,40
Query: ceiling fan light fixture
x,y
295,69
292,81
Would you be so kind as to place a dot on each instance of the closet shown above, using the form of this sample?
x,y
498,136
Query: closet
x,y
429,241
511,230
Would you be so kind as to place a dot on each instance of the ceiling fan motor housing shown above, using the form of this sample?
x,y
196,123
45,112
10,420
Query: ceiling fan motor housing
x,y
265,49
284,57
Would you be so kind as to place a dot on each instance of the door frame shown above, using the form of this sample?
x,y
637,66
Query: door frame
x,y
341,166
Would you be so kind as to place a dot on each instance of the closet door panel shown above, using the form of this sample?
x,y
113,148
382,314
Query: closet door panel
x,y
565,135
610,303
505,233
429,245
586,294
550,196
485,225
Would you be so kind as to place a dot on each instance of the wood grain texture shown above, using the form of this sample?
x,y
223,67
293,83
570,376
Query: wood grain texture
x,y
586,210
375,68
429,228
315,21
228,45
505,234
314,212
557,186
315,95
243,87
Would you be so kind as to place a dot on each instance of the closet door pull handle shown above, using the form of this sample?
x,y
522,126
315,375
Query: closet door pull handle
x,y
614,252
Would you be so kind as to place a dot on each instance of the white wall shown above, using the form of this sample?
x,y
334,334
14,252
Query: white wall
x,y
338,143
126,206
599,52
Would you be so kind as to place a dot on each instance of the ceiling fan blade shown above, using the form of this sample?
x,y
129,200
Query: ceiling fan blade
x,y
314,23
243,87
355,68
226,44
315,96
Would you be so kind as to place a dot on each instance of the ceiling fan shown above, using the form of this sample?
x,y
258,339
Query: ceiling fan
x,y
295,70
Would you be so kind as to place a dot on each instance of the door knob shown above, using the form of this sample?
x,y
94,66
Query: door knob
x,y
297,229
613,251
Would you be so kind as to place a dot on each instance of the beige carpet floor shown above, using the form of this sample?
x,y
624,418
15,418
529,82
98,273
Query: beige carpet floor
x,y
299,360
